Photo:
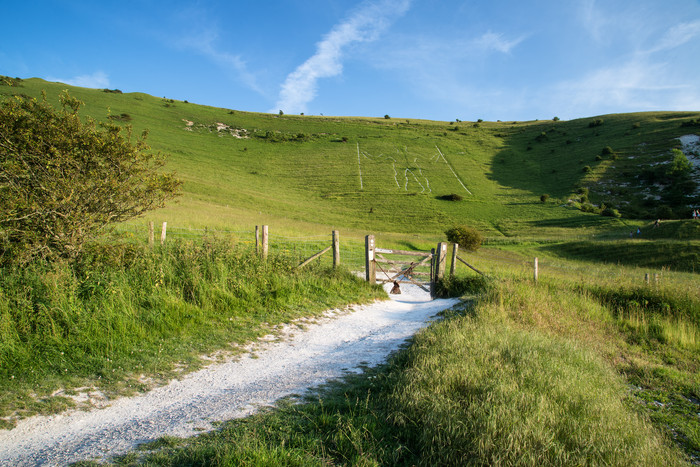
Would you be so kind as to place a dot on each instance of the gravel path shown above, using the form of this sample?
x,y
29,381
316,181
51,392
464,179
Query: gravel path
x,y
329,348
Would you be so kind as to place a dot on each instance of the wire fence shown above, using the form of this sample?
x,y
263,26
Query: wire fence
x,y
295,247
352,254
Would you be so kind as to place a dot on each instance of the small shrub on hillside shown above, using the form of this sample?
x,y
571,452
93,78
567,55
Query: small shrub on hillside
x,y
544,198
664,212
120,118
588,207
680,165
691,123
595,123
7,81
467,237
556,119
451,197
610,212
459,286
387,117
586,169
607,150
112,91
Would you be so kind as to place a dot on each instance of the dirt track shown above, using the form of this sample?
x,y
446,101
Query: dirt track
x,y
340,343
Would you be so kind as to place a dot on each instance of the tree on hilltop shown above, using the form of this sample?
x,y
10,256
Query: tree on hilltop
x,y
62,180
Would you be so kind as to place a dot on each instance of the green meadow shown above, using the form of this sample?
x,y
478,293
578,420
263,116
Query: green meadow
x,y
594,364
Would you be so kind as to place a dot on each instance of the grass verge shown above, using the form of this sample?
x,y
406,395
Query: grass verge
x,y
525,375
126,317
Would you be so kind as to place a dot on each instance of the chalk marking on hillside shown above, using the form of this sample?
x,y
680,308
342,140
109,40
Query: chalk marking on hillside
x,y
453,171
396,174
359,166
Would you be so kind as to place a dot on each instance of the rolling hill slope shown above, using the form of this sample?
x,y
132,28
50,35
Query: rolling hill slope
x,y
308,173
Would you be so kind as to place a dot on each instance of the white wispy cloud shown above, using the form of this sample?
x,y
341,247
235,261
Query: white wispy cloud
x,y
97,80
677,36
364,25
204,43
636,85
497,41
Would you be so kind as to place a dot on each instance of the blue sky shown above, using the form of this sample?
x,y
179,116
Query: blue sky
x,y
433,59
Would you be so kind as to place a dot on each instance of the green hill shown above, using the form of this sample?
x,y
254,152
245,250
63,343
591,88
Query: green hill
x,y
309,173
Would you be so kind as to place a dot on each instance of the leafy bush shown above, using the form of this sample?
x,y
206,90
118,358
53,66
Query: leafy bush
x,y
691,123
452,286
544,198
120,118
607,150
588,207
610,212
62,180
451,197
665,212
595,123
467,237
586,168
680,165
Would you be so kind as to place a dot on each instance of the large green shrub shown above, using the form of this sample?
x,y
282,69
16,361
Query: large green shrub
x,y
62,180
467,237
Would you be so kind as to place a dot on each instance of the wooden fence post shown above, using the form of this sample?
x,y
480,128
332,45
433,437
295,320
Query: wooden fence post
x,y
453,266
646,278
336,249
257,240
537,269
265,241
441,260
151,234
163,233
432,272
370,265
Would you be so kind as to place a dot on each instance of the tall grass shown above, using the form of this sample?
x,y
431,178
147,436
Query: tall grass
x,y
507,381
126,311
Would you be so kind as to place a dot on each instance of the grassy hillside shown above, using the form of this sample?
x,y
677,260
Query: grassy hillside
x,y
307,173
600,365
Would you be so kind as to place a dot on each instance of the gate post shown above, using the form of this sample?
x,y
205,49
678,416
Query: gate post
x,y
433,262
336,249
370,265
441,253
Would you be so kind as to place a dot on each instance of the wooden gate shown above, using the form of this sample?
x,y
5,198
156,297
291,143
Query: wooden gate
x,y
404,267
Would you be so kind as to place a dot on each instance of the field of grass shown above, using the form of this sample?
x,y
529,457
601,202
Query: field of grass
x,y
564,372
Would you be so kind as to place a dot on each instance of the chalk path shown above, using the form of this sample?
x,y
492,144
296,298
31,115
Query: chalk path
x,y
339,343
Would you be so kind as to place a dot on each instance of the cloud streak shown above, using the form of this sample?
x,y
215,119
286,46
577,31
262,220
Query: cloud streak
x,y
97,80
496,41
677,36
365,25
